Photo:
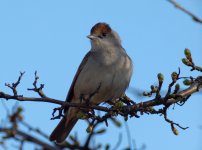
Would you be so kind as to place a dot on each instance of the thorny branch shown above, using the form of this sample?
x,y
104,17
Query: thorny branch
x,y
36,89
194,17
124,110
13,86
124,106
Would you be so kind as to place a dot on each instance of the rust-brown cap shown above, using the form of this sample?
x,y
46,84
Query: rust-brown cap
x,y
100,29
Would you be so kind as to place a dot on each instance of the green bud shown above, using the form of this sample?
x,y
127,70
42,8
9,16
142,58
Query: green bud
x,y
101,131
155,89
174,76
185,61
90,129
175,131
177,87
151,108
187,53
187,82
160,77
119,104
20,109
145,94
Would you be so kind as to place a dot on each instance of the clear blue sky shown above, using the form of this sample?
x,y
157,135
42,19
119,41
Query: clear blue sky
x,y
50,37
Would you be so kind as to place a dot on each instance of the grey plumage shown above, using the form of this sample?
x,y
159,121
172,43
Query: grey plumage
x,y
106,65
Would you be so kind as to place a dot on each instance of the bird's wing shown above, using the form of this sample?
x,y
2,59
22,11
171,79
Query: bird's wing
x,y
67,123
70,94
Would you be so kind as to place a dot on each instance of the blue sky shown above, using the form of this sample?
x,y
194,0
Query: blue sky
x,y
50,37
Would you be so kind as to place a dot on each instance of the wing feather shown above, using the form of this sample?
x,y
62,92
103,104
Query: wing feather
x,y
70,94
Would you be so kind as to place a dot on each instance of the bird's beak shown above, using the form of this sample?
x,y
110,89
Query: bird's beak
x,y
91,37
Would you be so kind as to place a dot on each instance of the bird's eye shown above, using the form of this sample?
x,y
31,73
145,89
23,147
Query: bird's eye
x,y
104,34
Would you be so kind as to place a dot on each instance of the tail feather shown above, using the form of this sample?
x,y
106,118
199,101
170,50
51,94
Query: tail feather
x,y
63,129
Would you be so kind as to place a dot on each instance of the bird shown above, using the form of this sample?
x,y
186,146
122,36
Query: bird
x,y
103,75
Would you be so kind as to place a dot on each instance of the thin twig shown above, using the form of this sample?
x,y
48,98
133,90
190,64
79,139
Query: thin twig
x,y
175,77
37,130
127,109
128,135
29,138
6,108
194,17
86,145
118,142
172,122
36,89
13,87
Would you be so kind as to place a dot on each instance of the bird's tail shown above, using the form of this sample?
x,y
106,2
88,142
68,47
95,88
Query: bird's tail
x,y
64,127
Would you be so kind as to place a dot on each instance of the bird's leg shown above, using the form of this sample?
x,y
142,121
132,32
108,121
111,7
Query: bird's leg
x,y
87,97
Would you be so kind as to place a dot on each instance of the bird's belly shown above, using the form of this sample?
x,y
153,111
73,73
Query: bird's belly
x,y
103,82
95,84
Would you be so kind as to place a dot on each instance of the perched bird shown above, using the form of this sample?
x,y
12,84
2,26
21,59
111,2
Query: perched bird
x,y
106,68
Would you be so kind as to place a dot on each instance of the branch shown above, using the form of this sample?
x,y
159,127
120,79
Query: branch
x,y
197,84
36,89
124,106
188,61
194,17
172,123
28,138
37,130
13,86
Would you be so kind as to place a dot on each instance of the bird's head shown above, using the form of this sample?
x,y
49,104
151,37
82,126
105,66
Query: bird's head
x,y
102,35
